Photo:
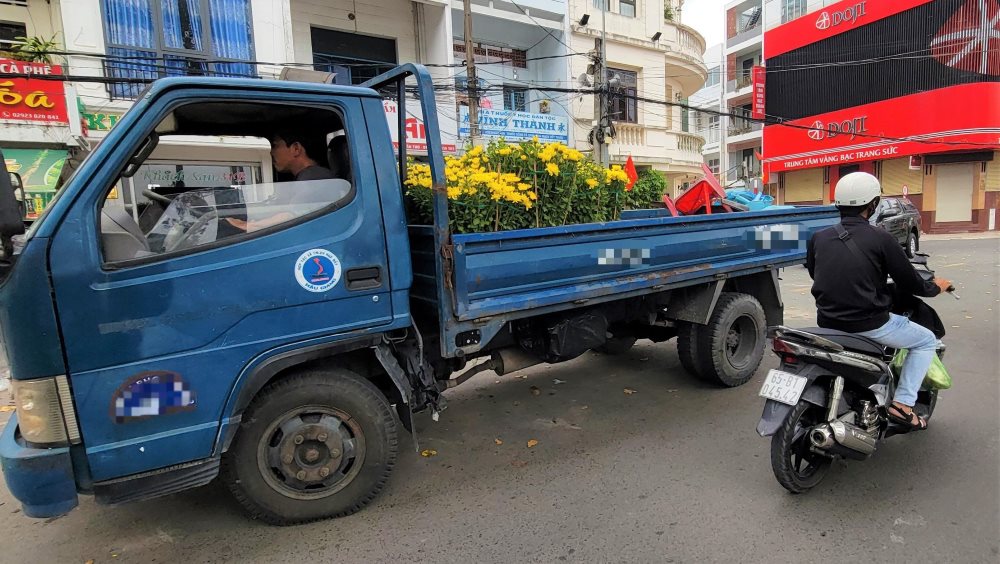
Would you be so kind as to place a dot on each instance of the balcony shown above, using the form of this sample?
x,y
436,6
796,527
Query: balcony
x,y
711,135
689,147
630,134
683,58
744,128
745,35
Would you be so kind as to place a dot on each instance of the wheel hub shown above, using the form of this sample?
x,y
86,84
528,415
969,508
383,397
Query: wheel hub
x,y
311,454
312,451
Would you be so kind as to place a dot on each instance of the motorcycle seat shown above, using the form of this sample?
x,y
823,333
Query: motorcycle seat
x,y
849,341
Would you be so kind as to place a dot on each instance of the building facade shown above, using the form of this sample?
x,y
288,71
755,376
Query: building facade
x,y
653,58
905,90
39,119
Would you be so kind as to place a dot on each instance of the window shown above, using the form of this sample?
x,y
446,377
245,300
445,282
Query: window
x,y
189,190
353,57
9,32
603,4
148,39
626,8
791,9
622,101
713,165
714,74
515,98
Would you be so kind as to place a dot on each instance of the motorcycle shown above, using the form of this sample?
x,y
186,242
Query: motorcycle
x,y
829,397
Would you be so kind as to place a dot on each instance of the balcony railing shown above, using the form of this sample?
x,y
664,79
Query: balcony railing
x,y
711,135
690,143
630,134
740,127
745,35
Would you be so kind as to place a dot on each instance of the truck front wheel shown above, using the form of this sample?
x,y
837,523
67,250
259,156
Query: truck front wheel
x,y
312,445
731,346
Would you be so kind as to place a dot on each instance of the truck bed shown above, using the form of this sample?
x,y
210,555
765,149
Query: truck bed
x,y
509,275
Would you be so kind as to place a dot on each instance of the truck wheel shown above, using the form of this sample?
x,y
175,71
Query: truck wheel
x,y
687,347
313,445
617,345
731,346
912,244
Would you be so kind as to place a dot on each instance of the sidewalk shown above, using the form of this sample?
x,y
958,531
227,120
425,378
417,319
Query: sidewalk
x,y
953,236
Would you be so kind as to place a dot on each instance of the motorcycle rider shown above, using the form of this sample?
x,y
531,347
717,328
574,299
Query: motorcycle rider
x,y
852,294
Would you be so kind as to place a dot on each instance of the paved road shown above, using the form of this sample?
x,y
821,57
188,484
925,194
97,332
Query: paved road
x,y
671,473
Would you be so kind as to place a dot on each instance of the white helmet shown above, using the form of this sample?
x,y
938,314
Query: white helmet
x,y
856,189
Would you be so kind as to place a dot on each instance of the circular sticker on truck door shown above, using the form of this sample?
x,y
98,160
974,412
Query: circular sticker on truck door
x,y
317,270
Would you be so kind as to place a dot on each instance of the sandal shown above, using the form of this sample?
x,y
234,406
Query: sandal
x,y
911,420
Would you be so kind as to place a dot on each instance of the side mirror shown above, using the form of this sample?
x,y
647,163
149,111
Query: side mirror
x,y
891,212
11,209
17,185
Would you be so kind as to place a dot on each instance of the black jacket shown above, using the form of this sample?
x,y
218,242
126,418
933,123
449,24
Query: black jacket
x,y
851,294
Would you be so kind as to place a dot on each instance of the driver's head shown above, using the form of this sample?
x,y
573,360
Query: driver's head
x,y
289,151
856,193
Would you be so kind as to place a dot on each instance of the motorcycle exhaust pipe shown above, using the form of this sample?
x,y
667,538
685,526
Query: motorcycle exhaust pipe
x,y
829,436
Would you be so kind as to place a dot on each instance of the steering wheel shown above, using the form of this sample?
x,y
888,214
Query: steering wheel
x,y
174,242
156,197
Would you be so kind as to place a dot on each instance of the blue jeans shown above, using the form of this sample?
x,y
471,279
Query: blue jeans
x,y
901,333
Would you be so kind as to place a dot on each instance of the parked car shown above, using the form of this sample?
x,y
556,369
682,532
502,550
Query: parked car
x,y
900,217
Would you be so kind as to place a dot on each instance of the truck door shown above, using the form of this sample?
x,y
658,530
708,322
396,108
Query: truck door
x,y
162,303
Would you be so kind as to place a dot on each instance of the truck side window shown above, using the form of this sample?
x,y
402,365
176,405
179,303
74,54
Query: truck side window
x,y
219,173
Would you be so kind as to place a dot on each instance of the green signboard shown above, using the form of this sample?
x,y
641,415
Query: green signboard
x,y
39,170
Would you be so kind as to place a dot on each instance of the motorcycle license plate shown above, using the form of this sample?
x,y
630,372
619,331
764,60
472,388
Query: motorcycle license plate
x,y
783,387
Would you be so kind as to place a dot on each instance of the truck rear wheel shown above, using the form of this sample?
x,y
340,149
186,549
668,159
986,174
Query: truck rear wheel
x,y
687,348
313,445
731,346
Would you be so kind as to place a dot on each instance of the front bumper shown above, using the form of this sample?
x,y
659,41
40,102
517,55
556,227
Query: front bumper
x,y
41,479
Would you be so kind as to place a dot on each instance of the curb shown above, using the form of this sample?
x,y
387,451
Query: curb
x,y
960,236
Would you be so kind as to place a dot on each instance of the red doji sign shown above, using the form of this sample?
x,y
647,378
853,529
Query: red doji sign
x,y
757,75
31,100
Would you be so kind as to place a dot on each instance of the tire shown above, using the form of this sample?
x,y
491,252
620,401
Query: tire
x,y
617,345
789,449
347,426
912,244
687,348
731,346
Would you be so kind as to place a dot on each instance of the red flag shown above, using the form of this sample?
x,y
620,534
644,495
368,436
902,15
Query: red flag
x,y
632,174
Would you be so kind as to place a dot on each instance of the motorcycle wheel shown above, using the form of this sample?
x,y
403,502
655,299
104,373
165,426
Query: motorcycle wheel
x,y
797,468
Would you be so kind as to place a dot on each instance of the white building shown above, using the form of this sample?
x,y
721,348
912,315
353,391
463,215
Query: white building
x,y
743,50
656,59
711,125
519,48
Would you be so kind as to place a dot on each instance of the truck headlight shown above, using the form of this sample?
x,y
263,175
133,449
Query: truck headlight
x,y
45,413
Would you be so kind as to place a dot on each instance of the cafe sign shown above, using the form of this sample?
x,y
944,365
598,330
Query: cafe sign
x,y
32,100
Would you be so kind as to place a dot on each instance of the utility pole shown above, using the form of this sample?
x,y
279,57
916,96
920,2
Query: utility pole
x,y
472,85
601,92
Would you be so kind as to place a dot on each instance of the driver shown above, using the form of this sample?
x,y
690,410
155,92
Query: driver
x,y
290,155
852,294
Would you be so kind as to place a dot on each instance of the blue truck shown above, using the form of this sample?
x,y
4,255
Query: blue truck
x,y
277,335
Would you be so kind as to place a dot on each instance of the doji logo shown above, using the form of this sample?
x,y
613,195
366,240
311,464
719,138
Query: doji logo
x,y
970,39
853,127
818,131
826,20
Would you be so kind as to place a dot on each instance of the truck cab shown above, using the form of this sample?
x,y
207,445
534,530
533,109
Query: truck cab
x,y
173,304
